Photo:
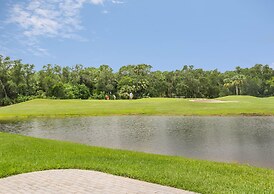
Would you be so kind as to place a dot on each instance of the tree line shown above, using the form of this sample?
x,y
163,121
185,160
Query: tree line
x,y
20,82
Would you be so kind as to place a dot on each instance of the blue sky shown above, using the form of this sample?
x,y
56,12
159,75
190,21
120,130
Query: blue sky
x,y
208,34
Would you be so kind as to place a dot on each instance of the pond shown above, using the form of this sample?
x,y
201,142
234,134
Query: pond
x,y
247,140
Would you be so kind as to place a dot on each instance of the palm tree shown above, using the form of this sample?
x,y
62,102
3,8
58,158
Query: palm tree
x,y
236,81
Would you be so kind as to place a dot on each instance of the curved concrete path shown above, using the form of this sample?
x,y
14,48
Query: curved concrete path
x,y
78,181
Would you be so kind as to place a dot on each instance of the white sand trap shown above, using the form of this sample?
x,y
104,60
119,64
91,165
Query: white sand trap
x,y
211,101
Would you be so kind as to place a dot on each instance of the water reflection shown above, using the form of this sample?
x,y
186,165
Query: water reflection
x,y
231,139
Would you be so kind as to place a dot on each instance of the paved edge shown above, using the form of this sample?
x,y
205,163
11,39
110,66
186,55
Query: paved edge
x,y
79,181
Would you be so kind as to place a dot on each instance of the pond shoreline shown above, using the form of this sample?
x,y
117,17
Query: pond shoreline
x,y
226,139
33,154
245,105
60,116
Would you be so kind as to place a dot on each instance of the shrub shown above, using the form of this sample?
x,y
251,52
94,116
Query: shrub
x,y
5,101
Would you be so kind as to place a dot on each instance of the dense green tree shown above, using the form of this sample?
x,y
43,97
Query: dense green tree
x,y
157,84
134,78
236,81
105,81
20,82
81,91
58,90
5,65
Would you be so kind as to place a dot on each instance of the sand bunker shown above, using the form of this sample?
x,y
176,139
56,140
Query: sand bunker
x,y
211,101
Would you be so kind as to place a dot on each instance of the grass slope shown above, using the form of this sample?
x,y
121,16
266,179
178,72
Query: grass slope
x,y
19,154
245,105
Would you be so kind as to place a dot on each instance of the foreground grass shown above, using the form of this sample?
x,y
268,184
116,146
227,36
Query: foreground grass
x,y
243,105
19,154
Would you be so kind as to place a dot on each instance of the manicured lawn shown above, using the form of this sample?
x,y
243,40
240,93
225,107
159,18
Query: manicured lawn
x,y
243,105
19,154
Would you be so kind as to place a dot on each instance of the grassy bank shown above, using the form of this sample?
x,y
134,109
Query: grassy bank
x,y
238,105
19,154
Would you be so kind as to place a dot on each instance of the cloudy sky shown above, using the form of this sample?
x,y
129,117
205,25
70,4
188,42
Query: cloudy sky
x,y
208,34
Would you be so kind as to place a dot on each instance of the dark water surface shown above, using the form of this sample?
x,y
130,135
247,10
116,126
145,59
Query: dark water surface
x,y
230,139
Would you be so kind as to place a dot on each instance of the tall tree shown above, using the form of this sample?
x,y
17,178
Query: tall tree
x,y
236,81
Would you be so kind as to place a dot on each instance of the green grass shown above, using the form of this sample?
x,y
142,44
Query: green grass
x,y
245,105
19,154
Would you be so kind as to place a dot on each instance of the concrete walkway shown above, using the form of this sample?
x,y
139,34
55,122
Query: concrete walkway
x,y
78,181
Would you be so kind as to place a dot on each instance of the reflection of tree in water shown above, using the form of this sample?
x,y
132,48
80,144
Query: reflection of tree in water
x,y
254,139
186,135
137,128
16,127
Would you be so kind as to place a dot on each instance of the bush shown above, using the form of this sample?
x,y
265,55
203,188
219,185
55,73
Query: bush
x,y
69,91
58,91
41,94
82,91
98,95
21,98
5,101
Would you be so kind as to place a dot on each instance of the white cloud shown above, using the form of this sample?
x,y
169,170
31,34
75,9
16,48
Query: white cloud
x,y
117,2
34,47
46,18
105,12
49,18
97,1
